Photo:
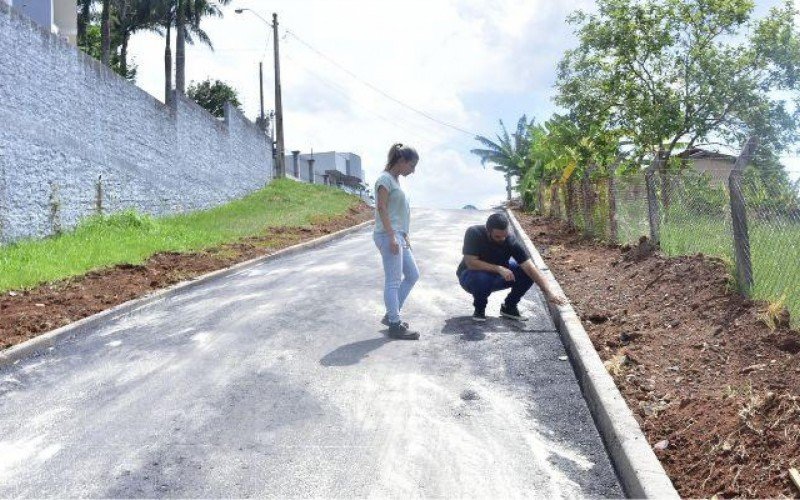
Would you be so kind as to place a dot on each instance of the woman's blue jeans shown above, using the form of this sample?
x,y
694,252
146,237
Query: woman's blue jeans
x,y
400,271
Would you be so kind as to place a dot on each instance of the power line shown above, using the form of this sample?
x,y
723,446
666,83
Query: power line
x,y
342,92
395,121
376,89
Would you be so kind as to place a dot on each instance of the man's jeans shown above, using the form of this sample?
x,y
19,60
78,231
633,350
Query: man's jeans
x,y
482,283
401,273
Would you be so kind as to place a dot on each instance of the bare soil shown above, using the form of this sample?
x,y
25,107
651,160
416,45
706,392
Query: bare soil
x,y
25,314
716,391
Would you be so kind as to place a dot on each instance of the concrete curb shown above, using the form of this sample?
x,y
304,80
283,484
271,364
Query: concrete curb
x,y
42,342
637,467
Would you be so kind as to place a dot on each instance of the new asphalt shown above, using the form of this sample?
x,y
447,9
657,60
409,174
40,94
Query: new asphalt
x,y
279,381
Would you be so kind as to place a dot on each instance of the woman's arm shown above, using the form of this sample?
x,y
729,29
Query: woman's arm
x,y
383,213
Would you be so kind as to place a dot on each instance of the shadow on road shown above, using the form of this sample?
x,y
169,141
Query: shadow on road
x,y
471,330
351,354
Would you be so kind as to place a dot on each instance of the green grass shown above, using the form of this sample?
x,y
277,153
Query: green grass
x,y
774,250
129,237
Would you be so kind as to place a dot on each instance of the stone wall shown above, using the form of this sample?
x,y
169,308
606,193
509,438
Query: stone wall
x,y
68,123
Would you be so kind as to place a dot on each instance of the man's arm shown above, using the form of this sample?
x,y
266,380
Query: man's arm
x,y
540,280
473,263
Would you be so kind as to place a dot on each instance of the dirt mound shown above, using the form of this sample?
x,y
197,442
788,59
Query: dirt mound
x,y
716,391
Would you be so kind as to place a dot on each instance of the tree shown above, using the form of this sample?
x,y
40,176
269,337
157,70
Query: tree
x,y
165,14
213,96
674,73
92,45
105,33
510,153
130,16
84,18
189,15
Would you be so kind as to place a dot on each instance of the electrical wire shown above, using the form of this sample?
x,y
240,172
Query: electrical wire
x,y
378,90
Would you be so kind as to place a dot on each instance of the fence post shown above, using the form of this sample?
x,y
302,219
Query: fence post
x,y
588,198
652,201
555,202
98,195
741,237
568,195
55,208
612,204
540,195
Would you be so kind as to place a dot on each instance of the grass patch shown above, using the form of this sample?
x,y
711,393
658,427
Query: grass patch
x,y
131,238
774,249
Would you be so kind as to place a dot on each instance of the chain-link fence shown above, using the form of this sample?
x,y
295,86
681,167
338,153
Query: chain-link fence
x,y
753,227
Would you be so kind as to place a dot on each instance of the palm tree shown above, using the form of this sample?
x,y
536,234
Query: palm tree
x,y
189,15
186,14
105,33
84,18
510,153
131,16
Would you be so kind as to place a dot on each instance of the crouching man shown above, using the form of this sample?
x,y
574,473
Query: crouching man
x,y
495,260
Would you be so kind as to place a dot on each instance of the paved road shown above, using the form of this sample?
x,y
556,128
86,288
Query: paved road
x,y
279,381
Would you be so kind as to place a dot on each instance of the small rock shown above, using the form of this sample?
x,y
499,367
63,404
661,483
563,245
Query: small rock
x,y
13,294
661,445
39,305
752,368
562,358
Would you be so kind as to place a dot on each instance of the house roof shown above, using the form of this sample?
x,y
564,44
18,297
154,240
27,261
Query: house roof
x,y
702,154
348,180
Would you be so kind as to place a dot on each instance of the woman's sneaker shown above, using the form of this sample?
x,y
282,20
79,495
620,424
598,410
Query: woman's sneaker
x,y
385,321
479,314
401,332
512,312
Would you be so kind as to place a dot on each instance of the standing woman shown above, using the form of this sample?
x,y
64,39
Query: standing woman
x,y
392,220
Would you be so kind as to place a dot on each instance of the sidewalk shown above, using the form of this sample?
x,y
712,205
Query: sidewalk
x,y
278,381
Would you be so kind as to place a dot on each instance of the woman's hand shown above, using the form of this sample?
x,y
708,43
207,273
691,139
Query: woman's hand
x,y
393,245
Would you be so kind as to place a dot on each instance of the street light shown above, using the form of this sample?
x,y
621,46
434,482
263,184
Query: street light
x,y
280,167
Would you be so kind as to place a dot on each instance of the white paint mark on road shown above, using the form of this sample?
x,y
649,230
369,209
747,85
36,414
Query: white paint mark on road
x,y
24,453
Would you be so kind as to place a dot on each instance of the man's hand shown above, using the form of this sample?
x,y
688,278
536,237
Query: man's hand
x,y
505,273
556,299
408,241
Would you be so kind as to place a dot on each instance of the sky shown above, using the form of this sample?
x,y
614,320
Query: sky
x,y
360,75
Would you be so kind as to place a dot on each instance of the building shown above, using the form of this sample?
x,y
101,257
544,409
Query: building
x,y
343,169
59,16
717,166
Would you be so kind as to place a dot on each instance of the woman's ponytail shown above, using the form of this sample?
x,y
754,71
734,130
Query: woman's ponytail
x,y
398,152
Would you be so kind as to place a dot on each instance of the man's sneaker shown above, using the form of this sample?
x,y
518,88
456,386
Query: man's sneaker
x,y
512,312
401,332
385,321
479,314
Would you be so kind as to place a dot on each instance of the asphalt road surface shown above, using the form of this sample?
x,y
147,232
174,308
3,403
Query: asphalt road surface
x,y
280,381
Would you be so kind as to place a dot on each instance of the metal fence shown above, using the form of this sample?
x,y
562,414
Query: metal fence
x,y
727,215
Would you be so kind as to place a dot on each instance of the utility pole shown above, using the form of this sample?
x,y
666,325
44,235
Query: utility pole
x,y
262,119
261,88
278,104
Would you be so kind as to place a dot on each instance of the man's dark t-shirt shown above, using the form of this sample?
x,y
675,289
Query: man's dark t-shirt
x,y
477,242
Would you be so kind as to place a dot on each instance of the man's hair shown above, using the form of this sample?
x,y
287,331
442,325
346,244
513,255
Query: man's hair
x,y
497,221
